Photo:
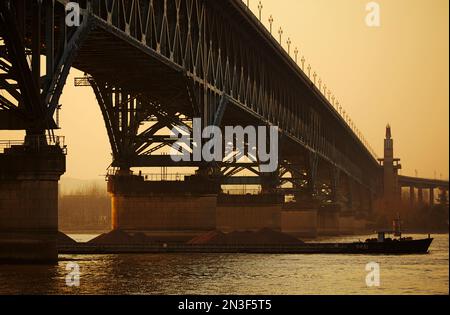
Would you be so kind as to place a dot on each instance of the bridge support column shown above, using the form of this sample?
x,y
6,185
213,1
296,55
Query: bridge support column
x,y
367,201
167,211
354,204
420,197
412,197
344,196
29,203
300,218
329,217
312,174
443,197
249,212
357,199
431,196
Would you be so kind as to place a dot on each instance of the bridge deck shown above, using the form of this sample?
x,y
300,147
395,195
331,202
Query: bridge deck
x,y
407,181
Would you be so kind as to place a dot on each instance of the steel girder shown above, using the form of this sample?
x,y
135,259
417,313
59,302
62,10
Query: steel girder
x,y
227,59
34,29
124,115
222,51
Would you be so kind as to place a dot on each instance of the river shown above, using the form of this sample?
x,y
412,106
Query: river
x,y
198,274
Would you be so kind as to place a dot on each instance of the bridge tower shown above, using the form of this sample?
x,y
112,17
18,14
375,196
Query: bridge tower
x,y
391,166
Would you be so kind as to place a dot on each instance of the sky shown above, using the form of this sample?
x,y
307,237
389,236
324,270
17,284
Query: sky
x,y
396,73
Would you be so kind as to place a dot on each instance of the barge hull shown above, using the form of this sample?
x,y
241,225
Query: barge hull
x,y
390,248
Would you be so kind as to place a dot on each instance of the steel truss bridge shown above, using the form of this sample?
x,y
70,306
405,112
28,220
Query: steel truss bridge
x,y
156,64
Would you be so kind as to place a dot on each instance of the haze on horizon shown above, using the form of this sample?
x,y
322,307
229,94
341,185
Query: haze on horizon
x,y
396,74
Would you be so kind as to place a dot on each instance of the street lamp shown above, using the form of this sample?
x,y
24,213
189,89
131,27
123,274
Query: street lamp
x,y
260,7
280,32
271,23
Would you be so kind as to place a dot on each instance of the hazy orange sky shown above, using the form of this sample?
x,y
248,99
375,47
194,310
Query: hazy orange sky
x,y
397,74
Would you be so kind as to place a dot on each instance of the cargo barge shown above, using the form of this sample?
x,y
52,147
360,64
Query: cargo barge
x,y
381,245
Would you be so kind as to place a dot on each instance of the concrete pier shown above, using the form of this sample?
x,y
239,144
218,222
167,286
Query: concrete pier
x,y
351,225
300,219
166,211
347,225
177,211
328,220
248,212
29,202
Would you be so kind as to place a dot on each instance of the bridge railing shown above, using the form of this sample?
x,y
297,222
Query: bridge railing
x,y
6,144
242,191
49,140
155,177
308,72
165,177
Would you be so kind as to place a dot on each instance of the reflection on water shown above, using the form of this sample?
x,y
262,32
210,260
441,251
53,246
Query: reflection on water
x,y
236,274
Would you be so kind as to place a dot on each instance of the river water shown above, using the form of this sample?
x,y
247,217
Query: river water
x,y
235,274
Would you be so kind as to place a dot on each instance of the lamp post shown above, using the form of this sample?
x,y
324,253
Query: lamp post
x,y
289,42
270,23
260,7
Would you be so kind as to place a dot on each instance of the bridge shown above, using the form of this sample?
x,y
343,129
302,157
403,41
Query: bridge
x,y
158,64
417,186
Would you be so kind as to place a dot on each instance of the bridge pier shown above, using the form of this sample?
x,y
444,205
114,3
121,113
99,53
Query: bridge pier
x,y
367,204
248,212
344,194
329,217
357,198
300,219
412,197
431,196
443,196
351,225
420,197
354,205
169,211
343,199
29,202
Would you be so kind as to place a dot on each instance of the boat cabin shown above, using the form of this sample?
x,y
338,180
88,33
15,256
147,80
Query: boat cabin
x,y
382,235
